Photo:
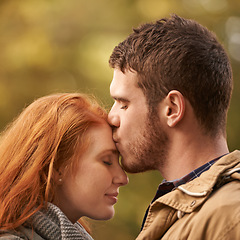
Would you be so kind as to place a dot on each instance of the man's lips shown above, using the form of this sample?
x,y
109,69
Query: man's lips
x,y
115,137
116,141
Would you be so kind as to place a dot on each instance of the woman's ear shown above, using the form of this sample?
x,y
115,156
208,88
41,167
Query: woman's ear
x,y
57,176
174,108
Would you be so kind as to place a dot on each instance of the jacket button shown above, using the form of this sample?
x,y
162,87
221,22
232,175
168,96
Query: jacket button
x,y
192,203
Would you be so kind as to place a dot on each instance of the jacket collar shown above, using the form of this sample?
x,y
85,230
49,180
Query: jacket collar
x,y
188,197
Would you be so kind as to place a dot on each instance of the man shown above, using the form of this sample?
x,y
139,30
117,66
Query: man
x,y
172,86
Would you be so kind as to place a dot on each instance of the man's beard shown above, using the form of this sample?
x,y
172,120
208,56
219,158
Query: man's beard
x,y
149,150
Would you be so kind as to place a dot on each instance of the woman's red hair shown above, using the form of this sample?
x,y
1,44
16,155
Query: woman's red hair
x,y
46,136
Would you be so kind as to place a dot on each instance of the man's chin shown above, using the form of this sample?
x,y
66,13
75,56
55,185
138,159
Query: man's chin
x,y
126,166
131,167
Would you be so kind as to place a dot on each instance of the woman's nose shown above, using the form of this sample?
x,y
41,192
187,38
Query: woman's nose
x,y
121,178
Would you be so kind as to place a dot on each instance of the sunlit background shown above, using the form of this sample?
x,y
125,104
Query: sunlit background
x,y
49,46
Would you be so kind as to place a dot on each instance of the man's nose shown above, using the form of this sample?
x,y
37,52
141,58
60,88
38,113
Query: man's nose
x,y
113,118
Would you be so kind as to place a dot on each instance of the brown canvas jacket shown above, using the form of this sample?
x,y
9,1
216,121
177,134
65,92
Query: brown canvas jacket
x,y
208,207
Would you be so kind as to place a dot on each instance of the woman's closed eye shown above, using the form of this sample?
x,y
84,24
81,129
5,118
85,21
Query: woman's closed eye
x,y
107,160
107,163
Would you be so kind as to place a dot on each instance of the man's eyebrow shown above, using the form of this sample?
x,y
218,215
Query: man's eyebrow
x,y
120,99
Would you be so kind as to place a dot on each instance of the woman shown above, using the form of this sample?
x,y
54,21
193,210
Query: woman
x,y
58,163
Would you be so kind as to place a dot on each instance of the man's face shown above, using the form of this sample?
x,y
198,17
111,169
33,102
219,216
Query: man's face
x,y
139,137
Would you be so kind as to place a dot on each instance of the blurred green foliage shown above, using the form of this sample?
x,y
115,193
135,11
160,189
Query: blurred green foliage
x,y
49,46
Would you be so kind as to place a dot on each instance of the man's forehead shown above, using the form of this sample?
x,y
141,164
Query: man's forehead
x,y
125,79
124,87
120,86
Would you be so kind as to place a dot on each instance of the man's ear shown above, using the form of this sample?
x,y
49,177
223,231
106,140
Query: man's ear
x,y
174,108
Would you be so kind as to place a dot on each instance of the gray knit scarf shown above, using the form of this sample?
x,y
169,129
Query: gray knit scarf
x,y
50,224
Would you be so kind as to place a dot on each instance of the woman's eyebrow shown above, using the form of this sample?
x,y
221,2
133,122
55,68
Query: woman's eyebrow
x,y
113,151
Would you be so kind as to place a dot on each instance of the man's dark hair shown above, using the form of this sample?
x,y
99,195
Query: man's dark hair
x,y
179,54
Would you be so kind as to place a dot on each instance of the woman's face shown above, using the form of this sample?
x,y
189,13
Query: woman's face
x,y
93,191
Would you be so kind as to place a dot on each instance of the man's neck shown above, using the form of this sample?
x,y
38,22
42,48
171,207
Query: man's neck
x,y
186,155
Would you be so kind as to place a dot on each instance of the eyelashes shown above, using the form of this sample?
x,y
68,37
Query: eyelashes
x,y
124,107
110,160
107,163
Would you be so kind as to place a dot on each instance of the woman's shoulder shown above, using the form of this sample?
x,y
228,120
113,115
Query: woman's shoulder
x,y
21,233
10,235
